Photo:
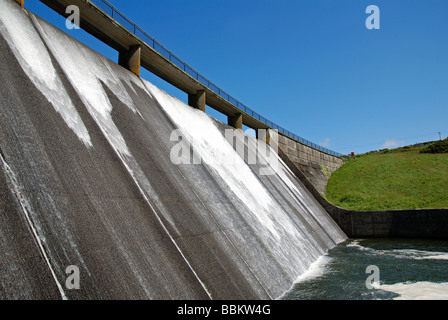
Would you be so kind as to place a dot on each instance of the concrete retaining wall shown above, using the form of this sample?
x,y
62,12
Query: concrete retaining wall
x,y
316,165
422,223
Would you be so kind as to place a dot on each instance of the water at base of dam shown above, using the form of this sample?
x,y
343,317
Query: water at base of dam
x,y
407,270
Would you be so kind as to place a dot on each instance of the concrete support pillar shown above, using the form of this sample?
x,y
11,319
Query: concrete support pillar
x,y
130,59
197,100
263,134
21,2
236,121
271,137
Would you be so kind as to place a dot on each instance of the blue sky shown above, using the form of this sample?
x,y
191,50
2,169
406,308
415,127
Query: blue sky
x,y
311,66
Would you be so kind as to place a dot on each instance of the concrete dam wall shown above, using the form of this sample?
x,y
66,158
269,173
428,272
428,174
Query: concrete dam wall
x,y
317,166
90,179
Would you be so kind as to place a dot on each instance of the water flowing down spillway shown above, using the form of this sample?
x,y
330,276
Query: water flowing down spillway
x,y
88,180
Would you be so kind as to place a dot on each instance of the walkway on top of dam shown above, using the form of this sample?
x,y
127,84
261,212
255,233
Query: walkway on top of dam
x,y
105,22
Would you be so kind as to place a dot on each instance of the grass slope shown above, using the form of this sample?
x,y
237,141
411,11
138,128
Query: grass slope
x,y
402,178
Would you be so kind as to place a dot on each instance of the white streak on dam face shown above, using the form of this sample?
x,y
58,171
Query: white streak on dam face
x,y
32,55
35,228
212,146
85,68
294,246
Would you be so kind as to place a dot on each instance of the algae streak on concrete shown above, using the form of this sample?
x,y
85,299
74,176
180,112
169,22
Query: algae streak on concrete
x,y
86,180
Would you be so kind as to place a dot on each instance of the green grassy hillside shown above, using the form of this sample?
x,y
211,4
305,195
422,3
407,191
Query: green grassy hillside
x,y
403,178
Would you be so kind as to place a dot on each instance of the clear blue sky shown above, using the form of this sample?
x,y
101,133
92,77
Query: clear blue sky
x,y
311,66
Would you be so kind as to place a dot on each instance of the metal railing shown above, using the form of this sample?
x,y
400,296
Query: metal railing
x,y
119,17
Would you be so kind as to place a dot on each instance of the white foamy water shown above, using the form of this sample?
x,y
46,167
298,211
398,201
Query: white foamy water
x,y
403,253
419,254
417,291
317,269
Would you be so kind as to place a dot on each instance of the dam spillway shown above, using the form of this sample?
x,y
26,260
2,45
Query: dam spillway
x,y
88,180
